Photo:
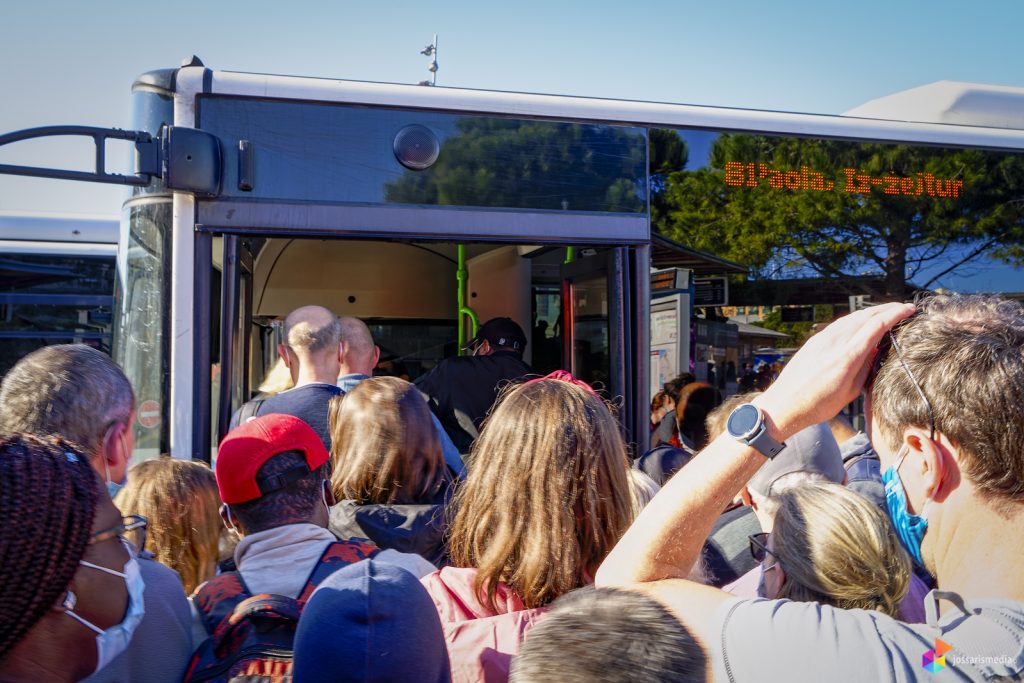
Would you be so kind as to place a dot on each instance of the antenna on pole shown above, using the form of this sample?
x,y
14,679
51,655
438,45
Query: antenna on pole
x,y
431,51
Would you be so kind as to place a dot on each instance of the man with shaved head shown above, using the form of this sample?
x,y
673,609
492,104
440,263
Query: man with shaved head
x,y
312,353
359,355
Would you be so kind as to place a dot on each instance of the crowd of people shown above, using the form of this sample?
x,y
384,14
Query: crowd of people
x,y
489,524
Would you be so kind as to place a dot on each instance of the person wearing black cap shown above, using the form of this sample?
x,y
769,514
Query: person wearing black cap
x,y
462,390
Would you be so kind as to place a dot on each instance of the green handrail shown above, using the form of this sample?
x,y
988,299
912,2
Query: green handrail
x,y
462,276
570,254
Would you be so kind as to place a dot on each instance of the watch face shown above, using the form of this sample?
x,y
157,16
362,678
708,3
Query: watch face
x,y
742,420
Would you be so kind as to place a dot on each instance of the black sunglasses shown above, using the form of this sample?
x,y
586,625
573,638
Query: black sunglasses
x,y
759,547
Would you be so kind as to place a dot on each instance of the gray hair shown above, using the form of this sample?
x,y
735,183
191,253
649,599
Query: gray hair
x,y
967,353
769,501
69,390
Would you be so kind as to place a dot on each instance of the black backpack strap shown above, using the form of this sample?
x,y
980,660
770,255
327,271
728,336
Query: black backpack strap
x,y
337,555
249,410
217,599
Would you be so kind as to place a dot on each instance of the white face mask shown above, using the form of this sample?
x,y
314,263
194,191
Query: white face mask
x,y
115,640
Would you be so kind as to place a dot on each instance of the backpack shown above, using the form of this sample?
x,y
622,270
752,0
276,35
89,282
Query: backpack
x,y
252,635
249,410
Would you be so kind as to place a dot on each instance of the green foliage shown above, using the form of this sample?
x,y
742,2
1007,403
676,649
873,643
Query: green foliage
x,y
835,232
798,332
510,163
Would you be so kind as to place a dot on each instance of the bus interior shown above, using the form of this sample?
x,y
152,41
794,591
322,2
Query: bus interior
x,y
408,294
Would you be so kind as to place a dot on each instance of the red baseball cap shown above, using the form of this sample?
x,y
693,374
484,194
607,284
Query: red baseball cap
x,y
246,448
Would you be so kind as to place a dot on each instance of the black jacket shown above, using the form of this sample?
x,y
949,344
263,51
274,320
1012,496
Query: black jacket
x,y
462,390
416,529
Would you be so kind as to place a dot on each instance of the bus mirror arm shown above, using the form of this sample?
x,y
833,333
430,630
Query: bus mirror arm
x,y
189,158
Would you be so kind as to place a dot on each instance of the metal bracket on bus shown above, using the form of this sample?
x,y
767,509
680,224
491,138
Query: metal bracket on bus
x,y
189,159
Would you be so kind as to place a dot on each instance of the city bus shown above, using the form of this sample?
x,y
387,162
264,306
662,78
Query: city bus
x,y
56,282
425,210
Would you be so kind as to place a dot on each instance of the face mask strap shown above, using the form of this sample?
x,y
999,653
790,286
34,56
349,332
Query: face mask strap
x,y
904,452
107,570
69,609
231,520
106,469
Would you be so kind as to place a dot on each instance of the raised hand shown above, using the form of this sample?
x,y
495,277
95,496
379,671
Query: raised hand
x,y
829,370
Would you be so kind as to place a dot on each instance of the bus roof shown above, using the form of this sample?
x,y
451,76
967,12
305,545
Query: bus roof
x,y
950,102
857,124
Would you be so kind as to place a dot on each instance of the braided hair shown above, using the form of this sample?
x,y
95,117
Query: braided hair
x,y
48,495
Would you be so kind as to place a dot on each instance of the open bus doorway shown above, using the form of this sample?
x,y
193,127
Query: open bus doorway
x,y
408,294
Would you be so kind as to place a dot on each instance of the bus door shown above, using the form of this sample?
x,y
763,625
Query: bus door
x,y
600,326
230,378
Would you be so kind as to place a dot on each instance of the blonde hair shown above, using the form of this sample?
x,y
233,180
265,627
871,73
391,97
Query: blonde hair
x,y
547,495
718,417
839,549
278,379
180,500
384,445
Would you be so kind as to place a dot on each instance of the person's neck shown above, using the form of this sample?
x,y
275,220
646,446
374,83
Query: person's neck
x,y
25,664
312,374
355,369
979,552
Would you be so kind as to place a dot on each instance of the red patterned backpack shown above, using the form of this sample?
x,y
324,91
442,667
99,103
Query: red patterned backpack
x,y
252,635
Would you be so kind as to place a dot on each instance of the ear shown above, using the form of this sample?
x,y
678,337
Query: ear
x,y
227,519
376,355
747,500
282,351
59,604
938,468
329,493
111,453
343,347
782,576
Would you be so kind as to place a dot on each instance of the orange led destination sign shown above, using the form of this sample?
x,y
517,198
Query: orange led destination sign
x,y
853,181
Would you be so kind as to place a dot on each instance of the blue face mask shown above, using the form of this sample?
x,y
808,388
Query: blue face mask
x,y
115,640
909,528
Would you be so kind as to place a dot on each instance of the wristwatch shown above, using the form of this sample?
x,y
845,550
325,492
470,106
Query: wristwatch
x,y
746,424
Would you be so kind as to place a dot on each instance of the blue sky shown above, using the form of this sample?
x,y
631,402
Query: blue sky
x,y
73,61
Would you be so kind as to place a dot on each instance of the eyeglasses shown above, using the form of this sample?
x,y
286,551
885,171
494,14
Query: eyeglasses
x,y
131,529
759,547
883,352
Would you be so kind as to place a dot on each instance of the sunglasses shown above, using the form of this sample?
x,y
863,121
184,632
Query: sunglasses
x,y
759,547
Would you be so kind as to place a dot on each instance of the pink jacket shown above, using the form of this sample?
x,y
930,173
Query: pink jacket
x,y
480,644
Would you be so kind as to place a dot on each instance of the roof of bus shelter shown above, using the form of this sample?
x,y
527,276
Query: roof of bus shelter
x,y
808,291
667,253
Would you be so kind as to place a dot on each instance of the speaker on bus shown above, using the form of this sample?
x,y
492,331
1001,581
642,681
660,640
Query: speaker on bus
x,y
416,147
